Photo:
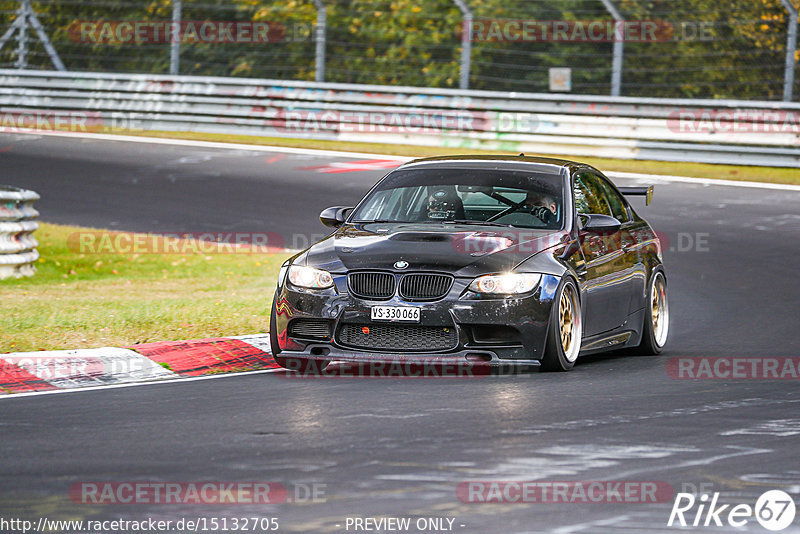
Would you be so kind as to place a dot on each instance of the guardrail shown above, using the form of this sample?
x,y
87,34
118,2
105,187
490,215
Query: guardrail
x,y
711,131
17,244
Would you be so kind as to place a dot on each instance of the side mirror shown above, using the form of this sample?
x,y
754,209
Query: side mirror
x,y
334,216
646,192
597,223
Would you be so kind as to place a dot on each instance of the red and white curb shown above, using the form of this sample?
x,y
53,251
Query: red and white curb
x,y
26,372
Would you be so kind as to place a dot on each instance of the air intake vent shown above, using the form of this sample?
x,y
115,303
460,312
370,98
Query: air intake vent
x,y
398,337
310,329
425,286
371,285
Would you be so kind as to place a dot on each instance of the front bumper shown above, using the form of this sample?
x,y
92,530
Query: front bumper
x,y
523,322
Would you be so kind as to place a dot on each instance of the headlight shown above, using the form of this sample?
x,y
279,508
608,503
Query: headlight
x,y
505,284
309,277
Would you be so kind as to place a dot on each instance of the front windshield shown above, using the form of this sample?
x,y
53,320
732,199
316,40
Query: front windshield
x,y
515,198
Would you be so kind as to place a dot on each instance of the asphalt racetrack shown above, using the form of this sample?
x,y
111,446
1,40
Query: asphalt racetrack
x,y
401,447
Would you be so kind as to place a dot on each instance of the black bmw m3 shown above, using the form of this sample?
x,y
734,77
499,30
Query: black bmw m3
x,y
517,261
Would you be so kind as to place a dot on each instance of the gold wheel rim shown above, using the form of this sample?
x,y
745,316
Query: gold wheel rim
x,y
655,305
659,310
569,323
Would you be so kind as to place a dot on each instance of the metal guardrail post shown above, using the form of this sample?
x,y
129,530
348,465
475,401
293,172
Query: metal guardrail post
x,y
466,43
616,62
175,43
26,15
319,37
22,35
17,244
48,46
791,47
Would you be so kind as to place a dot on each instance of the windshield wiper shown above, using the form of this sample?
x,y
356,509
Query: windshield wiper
x,y
479,223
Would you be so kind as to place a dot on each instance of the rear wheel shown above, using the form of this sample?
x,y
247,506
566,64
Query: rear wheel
x,y
656,319
565,330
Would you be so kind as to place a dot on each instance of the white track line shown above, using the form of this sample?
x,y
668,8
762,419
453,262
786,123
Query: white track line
x,y
209,144
339,154
702,181
134,384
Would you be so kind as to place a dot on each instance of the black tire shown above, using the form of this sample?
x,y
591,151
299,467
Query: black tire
x,y
556,358
654,335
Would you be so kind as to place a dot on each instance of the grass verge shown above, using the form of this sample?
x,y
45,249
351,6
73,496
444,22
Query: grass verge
x,y
696,170
85,300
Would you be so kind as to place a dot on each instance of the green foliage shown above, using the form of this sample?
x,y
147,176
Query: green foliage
x,y
718,50
715,49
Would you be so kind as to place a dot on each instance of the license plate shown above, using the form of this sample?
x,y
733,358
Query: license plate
x,y
395,313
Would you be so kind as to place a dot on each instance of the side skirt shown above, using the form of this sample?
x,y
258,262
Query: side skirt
x,y
627,335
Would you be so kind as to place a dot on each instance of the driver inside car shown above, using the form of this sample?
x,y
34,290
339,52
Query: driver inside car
x,y
540,206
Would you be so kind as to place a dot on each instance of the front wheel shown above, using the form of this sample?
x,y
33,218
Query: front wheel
x,y
565,330
656,319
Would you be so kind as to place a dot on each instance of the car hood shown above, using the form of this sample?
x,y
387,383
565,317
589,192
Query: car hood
x,y
463,250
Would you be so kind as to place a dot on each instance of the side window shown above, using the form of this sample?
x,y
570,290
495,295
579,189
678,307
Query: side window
x,y
590,196
617,203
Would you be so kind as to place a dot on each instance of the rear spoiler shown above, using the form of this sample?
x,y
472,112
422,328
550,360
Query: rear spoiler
x,y
646,192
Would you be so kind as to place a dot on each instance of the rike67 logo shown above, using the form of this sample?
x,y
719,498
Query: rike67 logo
x,y
774,510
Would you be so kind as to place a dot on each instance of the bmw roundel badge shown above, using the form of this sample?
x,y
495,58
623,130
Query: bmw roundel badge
x,y
400,264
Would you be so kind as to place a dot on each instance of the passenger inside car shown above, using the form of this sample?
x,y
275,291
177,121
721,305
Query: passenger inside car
x,y
444,204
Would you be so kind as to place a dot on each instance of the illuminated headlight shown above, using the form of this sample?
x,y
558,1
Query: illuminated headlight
x,y
309,277
505,284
